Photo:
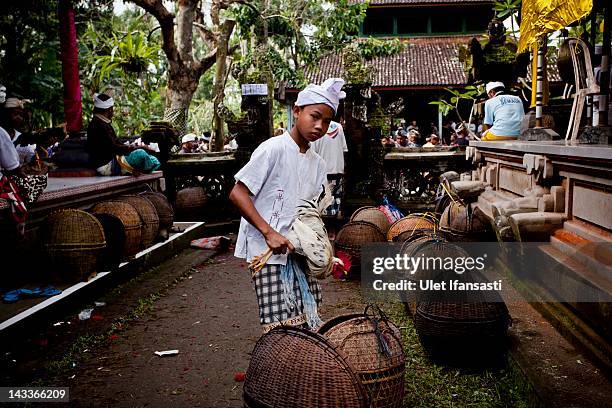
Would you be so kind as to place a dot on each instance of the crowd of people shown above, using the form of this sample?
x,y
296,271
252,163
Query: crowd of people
x,y
191,143
453,134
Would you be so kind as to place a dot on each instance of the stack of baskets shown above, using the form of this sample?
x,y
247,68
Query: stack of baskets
x,y
457,328
372,345
73,241
294,368
190,203
132,224
352,236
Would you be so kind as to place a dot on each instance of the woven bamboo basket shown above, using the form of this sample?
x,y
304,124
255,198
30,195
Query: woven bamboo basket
x,y
412,223
148,216
110,257
190,203
463,333
132,225
353,235
163,208
372,344
372,215
461,223
73,241
294,368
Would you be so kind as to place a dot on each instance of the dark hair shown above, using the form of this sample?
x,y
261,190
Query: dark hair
x,y
498,89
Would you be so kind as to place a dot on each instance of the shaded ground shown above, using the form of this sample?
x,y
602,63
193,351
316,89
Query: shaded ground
x,y
211,318
204,306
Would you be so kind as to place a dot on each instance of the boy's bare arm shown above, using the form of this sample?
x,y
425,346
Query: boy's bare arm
x,y
240,196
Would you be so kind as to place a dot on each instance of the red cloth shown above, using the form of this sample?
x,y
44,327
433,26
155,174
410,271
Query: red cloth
x,y
73,109
9,191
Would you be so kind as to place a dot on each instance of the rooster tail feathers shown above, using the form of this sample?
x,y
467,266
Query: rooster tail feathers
x,y
325,198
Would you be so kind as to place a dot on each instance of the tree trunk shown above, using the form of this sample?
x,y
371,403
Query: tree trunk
x,y
182,84
219,87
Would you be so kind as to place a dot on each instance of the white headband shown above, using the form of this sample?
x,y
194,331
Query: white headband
x,y
98,103
15,103
329,93
492,85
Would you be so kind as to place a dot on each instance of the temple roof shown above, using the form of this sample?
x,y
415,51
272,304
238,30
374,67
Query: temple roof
x,y
424,63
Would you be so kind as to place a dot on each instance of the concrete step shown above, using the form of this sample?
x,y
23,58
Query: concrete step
x,y
83,292
596,256
587,231
575,270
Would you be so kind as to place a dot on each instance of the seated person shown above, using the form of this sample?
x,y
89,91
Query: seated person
x,y
108,155
204,142
503,114
230,143
402,140
189,144
12,120
413,138
463,136
387,142
434,140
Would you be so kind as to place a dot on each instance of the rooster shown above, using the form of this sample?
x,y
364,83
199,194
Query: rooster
x,y
309,237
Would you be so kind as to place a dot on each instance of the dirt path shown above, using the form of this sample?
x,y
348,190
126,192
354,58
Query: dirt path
x,y
212,319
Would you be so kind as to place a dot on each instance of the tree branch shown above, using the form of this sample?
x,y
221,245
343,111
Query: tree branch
x,y
209,38
166,22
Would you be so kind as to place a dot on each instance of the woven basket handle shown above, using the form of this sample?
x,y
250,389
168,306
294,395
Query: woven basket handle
x,y
383,346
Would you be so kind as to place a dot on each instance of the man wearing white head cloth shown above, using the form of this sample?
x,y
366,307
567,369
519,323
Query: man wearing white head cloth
x,y
283,172
503,114
107,154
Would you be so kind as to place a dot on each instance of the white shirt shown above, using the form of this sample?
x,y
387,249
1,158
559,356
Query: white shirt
x,y
277,175
504,114
27,152
331,148
9,158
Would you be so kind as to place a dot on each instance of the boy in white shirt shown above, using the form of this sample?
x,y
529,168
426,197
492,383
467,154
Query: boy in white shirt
x,y
283,171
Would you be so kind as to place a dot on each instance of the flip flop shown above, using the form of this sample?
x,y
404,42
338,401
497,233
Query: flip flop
x,y
11,296
50,291
34,292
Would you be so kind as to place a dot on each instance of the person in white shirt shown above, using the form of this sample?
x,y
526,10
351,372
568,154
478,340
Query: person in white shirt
x,y
283,172
189,144
332,148
13,120
503,114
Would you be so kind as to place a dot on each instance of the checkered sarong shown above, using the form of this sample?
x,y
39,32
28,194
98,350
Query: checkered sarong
x,y
269,291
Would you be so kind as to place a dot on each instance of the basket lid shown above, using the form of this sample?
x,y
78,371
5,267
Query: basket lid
x,y
369,343
412,222
372,215
70,227
293,367
357,233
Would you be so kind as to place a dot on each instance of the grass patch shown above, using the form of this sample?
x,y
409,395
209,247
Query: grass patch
x,y
429,385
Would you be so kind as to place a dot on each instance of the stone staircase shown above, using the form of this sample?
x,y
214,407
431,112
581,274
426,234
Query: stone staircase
x,y
585,253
